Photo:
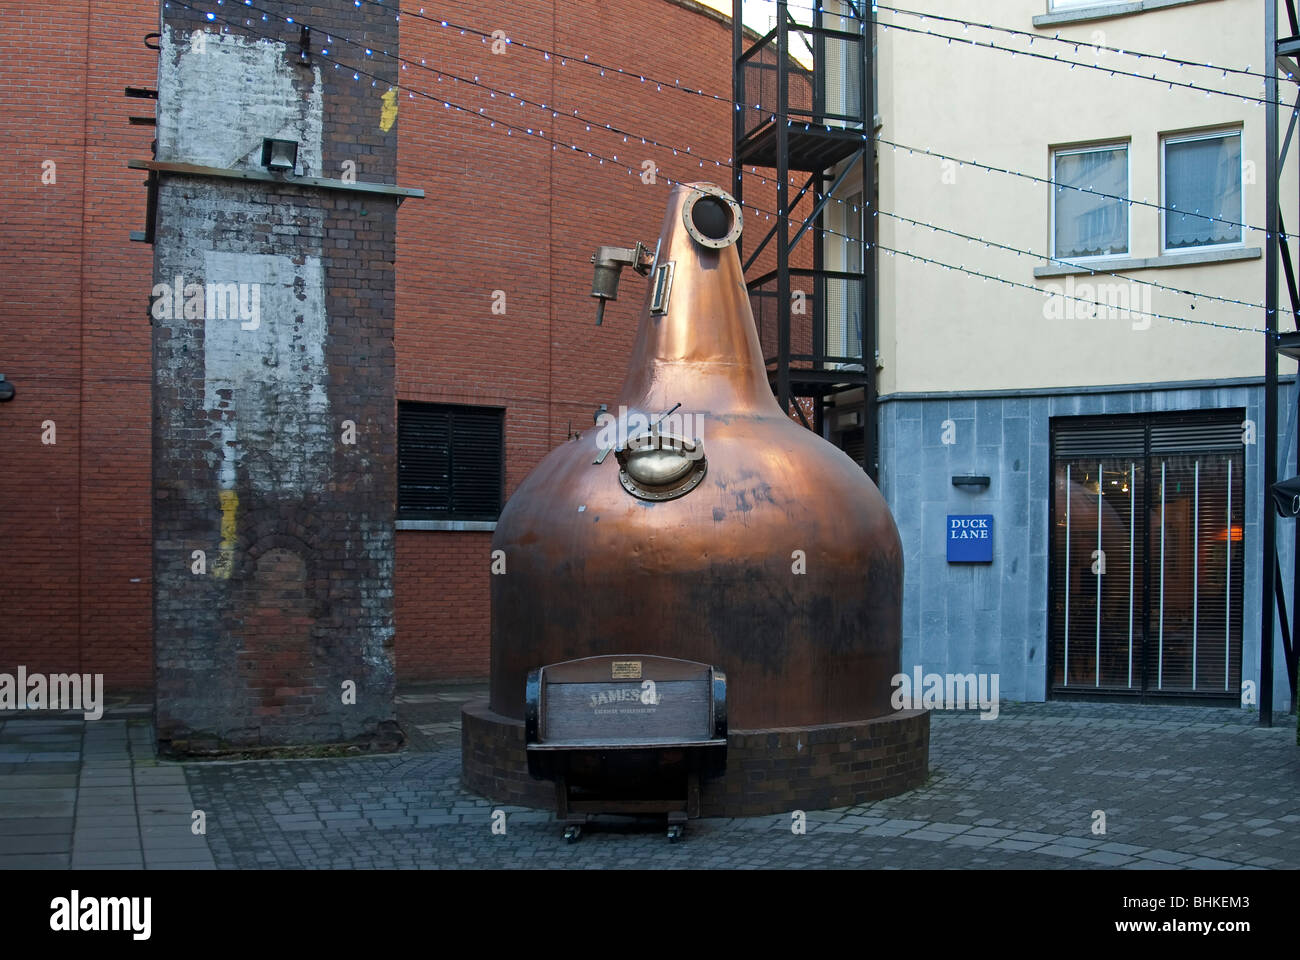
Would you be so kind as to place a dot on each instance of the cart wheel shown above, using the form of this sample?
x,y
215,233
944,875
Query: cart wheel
x,y
674,833
573,833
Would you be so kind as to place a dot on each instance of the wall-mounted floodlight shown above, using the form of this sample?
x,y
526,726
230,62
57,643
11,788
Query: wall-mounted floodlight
x,y
6,389
279,156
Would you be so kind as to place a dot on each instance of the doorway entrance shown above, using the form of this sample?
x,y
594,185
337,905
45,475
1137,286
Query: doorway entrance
x,y
1146,559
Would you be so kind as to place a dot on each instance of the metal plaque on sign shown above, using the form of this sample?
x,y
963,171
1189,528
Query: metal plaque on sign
x,y
626,670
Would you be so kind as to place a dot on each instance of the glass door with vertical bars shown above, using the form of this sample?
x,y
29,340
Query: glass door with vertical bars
x,y
1146,554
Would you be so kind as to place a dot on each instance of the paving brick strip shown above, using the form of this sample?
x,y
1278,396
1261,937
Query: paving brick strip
x,y
92,795
1180,787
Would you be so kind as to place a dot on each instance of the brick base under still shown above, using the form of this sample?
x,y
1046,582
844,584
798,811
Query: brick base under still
x,y
768,771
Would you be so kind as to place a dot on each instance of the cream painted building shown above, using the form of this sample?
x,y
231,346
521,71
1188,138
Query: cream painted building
x,y
1111,446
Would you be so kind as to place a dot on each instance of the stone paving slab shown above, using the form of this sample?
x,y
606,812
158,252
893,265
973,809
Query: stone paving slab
x,y
36,843
107,860
34,826
37,782
124,818
37,809
88,814
23,769
34,861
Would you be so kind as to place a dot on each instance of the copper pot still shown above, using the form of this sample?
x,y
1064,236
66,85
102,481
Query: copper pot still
x,y
721,531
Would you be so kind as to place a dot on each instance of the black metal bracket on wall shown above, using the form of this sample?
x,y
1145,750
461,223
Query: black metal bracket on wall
x,y
151,181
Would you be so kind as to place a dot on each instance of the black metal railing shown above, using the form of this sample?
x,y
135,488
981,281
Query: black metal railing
x,y
826,318
823,76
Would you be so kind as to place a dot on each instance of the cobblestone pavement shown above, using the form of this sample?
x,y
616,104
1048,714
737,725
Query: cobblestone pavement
x,y
1180,787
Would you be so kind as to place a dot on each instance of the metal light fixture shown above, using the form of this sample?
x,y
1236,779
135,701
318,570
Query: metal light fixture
x,y
978,482
610,262
6,389
279,156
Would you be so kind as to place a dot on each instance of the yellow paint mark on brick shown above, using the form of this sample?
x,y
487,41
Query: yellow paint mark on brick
x,y
229,534
388,113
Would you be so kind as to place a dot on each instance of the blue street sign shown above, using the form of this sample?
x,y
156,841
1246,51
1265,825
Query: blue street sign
x,y
970,538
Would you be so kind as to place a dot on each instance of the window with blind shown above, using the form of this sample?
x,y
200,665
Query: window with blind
x,y
450,461
1202,190
1147,563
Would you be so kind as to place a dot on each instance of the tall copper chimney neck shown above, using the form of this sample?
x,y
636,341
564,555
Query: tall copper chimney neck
x,y
697,336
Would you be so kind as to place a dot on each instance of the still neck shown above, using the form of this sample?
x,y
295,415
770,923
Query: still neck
x,y
704,351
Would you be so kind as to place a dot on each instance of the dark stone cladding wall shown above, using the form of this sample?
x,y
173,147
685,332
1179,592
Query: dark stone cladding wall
x,y
255,651
768,771
994,618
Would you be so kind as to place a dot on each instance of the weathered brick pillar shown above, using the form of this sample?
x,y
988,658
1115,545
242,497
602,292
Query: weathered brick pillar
x,y
274,465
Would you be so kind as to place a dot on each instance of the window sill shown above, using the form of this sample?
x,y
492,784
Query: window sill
x,y
1103,11
475,526
1124,264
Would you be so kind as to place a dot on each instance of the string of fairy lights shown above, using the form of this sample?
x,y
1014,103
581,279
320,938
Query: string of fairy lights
x,y
1097,46
1112,71
965,24
767,214
1069,263
564,59
614,161
678,150
577,114
990,168
1058,185
1075,44
607,69
494,92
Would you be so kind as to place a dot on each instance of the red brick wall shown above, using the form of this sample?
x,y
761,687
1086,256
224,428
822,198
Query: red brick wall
x,y
442,604
74,339
502,213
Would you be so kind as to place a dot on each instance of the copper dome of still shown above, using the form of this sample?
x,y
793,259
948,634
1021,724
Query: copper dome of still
x,y
719,530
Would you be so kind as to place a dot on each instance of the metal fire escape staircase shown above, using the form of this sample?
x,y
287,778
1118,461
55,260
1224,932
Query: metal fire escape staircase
x,y
804,95
1282,55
